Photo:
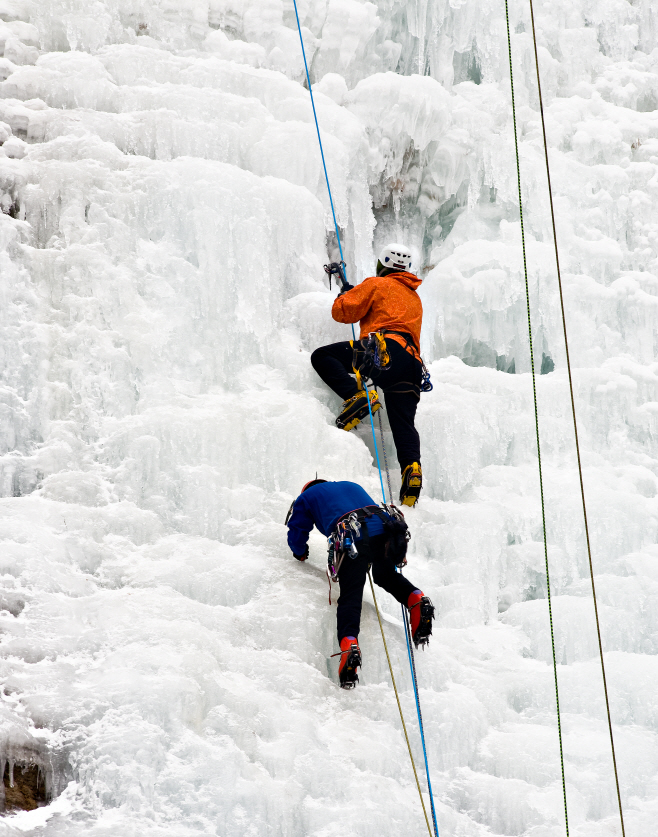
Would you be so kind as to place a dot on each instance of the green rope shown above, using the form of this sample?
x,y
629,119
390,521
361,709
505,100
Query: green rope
x,y
575,427
534,395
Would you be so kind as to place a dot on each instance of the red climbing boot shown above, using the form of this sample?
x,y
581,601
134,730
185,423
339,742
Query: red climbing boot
x,y
422,613
350,660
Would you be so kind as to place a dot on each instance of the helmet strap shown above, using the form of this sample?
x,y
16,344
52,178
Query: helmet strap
x,y
385,271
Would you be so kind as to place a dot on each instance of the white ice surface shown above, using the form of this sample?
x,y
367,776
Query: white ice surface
x,y
163,229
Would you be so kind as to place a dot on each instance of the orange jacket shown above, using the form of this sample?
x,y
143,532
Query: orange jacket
x,y
381,303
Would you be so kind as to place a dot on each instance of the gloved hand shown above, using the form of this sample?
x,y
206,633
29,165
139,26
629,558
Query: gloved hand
x,y
345,288
303,556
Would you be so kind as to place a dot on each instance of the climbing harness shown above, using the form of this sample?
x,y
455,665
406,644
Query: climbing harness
x,y
348,530
573,412
428,386
341,543
370,357
376,349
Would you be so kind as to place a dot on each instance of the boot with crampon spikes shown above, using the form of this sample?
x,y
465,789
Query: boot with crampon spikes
x,y
355,409
350,660
412,484
422,613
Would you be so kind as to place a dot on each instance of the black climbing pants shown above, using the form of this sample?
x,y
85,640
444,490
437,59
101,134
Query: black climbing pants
x,y
333,363
352,579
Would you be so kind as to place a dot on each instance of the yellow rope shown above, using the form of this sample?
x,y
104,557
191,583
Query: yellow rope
x,y
397,697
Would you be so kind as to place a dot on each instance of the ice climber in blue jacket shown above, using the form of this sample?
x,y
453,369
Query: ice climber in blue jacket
x,y
344,511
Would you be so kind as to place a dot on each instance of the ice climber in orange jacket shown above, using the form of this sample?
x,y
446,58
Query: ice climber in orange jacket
x,y
386,304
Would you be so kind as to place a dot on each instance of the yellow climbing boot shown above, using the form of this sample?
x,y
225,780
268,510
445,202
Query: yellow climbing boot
x,y
355,409
412,483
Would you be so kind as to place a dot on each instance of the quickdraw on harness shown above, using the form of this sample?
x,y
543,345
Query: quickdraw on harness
x,y
371,357
426,384
341,543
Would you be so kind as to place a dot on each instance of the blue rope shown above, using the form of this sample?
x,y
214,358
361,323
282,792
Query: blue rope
x,y
410,653
372,424
317,128
412,666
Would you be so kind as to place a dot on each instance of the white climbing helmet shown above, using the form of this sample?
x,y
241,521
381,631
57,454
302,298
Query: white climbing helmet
x,y
396,257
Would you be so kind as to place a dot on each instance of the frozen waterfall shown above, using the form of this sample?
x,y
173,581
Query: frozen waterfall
x,y
164,662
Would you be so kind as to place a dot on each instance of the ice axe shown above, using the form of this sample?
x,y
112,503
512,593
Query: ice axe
x,y
337,269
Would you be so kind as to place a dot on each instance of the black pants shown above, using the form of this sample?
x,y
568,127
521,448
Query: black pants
x,y
352,578
333,364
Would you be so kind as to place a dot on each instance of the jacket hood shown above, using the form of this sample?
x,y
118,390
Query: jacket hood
x,y
408,279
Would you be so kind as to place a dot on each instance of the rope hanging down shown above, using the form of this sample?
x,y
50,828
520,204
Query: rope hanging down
x,y
388,476
372,427
410,650
575,423
407,633
340,248
317,128
412,665
410,653
534,395
397,697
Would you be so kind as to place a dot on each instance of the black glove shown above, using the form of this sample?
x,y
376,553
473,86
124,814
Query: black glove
x,y
303,556
346,287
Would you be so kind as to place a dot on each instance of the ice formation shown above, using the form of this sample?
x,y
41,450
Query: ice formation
x,y
163,229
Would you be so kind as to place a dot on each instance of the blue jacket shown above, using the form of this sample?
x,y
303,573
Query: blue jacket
x,y
321,505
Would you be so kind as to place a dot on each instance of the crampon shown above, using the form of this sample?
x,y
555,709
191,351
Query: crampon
x,y
422,614
355,409
350,660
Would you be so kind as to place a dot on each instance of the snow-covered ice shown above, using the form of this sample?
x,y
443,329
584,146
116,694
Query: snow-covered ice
x,y
163,229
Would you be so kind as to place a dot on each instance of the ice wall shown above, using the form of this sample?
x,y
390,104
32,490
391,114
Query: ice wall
x,y
164,223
